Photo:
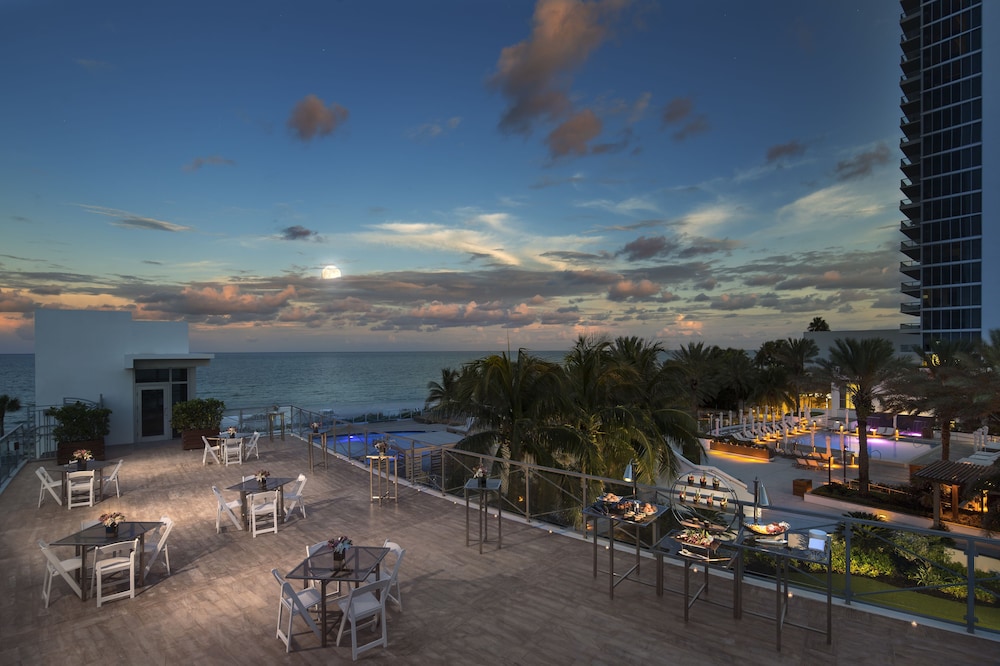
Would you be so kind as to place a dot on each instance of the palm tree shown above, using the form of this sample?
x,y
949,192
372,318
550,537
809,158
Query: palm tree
x,y
943,384
818,324
442,397
796,355
7,404
868,368
693,371
512,401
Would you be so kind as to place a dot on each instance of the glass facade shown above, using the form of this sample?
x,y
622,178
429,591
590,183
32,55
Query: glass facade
x,y
942,124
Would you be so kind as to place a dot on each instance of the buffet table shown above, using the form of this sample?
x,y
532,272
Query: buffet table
x,y
720,554
484,489
615,517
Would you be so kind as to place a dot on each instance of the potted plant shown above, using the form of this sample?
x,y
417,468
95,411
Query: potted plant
x,y
80,426
195,418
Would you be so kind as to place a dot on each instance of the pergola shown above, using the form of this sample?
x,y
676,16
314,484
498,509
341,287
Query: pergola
x,y
957,475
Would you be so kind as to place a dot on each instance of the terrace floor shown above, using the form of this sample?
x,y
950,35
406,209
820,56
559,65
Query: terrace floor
x,y
533,602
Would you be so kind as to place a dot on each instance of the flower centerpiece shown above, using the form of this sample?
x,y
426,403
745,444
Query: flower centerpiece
x,y
381,445
315,426
111,520
479,472
231,431
261,476
81,456
339,545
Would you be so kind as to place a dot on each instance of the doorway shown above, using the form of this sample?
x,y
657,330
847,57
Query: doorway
x,y
153,413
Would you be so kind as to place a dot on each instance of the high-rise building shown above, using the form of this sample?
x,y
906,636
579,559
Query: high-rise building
x,y
951,167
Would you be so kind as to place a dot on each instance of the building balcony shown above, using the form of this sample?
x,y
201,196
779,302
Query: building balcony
x,y
910,288
911,248
910,308
911,228
910,328
910,269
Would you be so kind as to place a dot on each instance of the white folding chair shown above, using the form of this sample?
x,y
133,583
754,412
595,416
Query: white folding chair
x,y
152,548
227,508
79,489
294,500
48,483
232,451
107,569
210,450
251,446
392,592
263,512
296,603
53,566
112,478
364,606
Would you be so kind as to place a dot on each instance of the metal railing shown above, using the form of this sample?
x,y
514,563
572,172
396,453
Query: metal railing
x,y
926,584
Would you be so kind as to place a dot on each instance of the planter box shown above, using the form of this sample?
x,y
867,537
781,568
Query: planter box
x,y
763,453
65,450
801,486
191,439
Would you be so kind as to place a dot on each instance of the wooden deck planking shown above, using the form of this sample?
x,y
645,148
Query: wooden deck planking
x,y
533,602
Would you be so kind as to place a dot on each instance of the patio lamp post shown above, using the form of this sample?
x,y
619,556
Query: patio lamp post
x,y
629,477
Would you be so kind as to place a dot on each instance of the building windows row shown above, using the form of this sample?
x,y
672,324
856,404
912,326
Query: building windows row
x,y
958,114
953,93
935,11
956,183
943,320
955,24
967,204
959,227
955,137
955,160
952,71
970,249
955,274
949,297
955,47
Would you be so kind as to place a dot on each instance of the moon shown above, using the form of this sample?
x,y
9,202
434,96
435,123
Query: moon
x,y
331,273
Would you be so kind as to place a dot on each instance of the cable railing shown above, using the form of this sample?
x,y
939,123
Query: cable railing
x,y
923,573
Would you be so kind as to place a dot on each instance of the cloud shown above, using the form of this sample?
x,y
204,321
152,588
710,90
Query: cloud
x,y
572,136
226,301
433,130
677,110
13,301
791,149
534,75
311,118
199,162
734,302
298,232
647,248
698,125
863,163
130,221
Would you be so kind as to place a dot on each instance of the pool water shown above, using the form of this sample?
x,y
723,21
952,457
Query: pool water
x,y
879,448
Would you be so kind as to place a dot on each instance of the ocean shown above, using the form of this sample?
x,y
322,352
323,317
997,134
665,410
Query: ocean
x,y
348,383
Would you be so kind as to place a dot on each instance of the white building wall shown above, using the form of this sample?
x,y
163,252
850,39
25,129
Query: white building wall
x,y
82,354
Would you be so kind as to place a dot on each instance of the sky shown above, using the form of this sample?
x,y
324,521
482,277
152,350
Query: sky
x,y
452,174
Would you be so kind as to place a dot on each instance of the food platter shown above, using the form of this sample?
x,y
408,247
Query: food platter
x,y
626,508
768,530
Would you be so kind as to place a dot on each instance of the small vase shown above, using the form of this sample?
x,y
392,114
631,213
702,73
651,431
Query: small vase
x,y
715,484
703,482
111,529
81,465
482,482
262,482
338,556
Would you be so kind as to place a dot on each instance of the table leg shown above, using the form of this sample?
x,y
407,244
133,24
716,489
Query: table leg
x,y
499,521
281,505
466,517
611,549
322,611
482,535
244,513
142,555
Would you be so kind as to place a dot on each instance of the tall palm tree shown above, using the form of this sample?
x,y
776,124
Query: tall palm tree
x,y
942,384
868,368
7,404
443,397
796,355
693,370
818,324
512,401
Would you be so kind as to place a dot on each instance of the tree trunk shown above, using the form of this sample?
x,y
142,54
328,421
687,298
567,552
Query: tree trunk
x,y
945,439
864,478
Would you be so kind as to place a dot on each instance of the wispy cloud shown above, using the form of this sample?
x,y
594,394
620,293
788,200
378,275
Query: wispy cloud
x,y
131,221
199,162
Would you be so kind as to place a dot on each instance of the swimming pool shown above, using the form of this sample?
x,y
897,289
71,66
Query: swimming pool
x,y
879,448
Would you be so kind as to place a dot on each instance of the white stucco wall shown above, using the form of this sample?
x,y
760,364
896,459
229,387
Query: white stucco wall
x,y
82,354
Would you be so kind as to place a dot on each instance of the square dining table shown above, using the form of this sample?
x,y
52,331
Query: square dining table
x,y
96,466
359,562
97,535
251,486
